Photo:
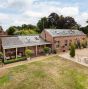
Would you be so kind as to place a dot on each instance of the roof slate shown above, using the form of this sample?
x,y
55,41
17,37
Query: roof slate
x,y
64,32
22,41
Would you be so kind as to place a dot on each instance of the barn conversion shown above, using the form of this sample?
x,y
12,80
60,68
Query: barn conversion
x,y
2,34
15,46
62,38
56,39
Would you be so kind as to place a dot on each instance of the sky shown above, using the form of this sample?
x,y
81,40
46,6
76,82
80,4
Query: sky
x,y
18,12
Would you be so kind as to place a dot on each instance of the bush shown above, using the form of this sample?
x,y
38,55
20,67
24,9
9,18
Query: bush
x,y
28,53
84,44
72,51
15,60
1,54
76,45
46,50
1,57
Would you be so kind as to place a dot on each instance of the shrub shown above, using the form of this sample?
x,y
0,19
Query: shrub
x,y
46,49
84,44
15,60
1,57
72,51
28,53
76,45
1,54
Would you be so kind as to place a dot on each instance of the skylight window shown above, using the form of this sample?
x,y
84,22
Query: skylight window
x,y
36,38
28,39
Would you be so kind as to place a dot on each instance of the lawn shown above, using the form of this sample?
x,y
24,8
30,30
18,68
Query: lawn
x,y
51,73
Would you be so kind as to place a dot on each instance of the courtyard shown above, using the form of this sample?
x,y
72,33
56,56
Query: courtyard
x,y
81,56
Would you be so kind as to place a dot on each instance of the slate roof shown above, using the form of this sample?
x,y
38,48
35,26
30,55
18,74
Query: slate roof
x,y
64,32
22,41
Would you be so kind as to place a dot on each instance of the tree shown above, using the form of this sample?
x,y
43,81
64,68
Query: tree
x,y
72,51
87,21
84,29
53,20
61,21
1,58
69,23
22,30
25,32
58,22
11,30
42,24
28,53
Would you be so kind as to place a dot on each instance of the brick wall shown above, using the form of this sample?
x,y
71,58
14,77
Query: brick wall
x,y
69,40
61,39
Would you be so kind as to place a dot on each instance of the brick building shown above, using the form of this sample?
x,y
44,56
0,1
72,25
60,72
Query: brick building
x,y
56,39
2,34
62,38
15,46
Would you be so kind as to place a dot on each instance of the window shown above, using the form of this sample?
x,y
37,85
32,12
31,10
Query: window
x,y
83,38
66,42
57,44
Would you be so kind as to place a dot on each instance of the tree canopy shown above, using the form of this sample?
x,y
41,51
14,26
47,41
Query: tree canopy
x,y
43,23
58,22
84,29
11,30
22,30
52,21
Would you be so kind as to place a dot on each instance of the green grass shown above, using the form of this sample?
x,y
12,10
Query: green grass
x,y
4,79
51,73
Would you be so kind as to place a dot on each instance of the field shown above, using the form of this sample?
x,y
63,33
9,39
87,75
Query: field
x,y
51,73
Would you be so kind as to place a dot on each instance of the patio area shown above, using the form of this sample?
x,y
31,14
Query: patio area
x,y
81,56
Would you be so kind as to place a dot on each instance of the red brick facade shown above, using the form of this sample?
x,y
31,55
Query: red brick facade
x,y
61,43
2,34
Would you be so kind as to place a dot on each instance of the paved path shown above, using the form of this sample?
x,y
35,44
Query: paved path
x,y
80,57
26,62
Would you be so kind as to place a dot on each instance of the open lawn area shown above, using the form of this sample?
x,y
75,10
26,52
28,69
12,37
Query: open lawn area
x,y
51,73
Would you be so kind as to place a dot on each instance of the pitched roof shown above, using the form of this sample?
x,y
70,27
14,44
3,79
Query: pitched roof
x,y
22,41
64,32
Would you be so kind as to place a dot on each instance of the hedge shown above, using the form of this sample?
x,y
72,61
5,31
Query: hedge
x,y
15,60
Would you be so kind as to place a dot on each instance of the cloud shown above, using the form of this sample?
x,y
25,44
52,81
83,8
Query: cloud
x,y
70,11
82,18
32,14
3,16
17,12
